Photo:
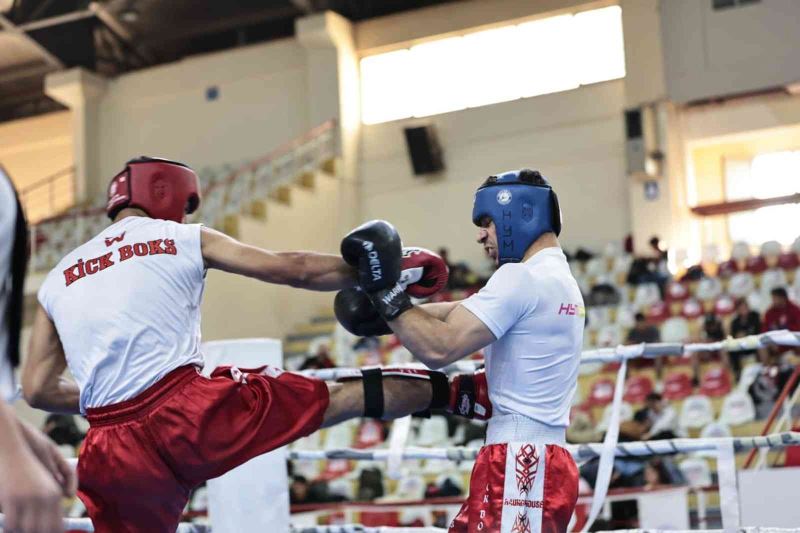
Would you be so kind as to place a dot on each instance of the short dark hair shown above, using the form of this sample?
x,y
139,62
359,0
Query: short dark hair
x,y
653,397
780,291
639,317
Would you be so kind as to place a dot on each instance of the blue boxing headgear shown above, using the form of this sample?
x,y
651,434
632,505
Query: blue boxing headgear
x,y
522,206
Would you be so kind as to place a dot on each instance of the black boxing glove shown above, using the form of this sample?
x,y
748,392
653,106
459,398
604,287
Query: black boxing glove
x,y
355,312
374,248
422,272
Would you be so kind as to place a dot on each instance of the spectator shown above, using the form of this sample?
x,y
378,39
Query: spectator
x,y
746,322
643,332
659,418
712,328
782,314
321,359
658,251
770,382
303,491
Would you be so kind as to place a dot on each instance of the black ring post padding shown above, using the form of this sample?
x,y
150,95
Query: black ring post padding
x,y
373,392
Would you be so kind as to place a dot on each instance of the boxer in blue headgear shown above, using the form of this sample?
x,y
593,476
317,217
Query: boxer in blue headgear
x,y
528,321
522,206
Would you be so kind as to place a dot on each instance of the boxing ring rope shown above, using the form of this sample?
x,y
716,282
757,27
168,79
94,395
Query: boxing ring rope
x,y
580,452
620,353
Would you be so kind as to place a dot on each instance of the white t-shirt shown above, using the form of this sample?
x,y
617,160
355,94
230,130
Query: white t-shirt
x,y
8,221
536,312
126,305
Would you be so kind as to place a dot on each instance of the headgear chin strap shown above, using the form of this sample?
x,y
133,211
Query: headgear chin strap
x,y
161,188
522,206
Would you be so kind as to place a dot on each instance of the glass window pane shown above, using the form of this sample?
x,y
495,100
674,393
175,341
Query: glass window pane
x,y
598,35
385,80
549,56
439,73
495,65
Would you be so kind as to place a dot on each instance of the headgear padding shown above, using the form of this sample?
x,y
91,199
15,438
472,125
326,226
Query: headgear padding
x,y
161,188
522,206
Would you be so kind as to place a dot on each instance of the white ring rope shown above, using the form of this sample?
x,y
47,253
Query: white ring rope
x,y
647,350
358,528
578,451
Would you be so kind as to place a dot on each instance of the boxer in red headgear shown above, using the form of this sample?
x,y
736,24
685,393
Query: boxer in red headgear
x,y
122,311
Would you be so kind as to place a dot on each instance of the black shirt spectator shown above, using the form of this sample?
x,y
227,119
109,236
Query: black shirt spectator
x,y
746,322
712,328
643,332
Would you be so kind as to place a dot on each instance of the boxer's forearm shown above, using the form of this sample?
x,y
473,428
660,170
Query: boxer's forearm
x,y
306,270
63,397
11,439
438,343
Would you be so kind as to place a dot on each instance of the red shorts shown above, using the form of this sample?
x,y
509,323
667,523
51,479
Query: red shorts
x,y
142,457
519,488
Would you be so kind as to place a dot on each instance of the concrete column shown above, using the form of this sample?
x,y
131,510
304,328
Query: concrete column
x,y
81,91
333,92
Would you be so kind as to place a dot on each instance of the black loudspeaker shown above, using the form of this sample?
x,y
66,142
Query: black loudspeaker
x,y
424,149
634,142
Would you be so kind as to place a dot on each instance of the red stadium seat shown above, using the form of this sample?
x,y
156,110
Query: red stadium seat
x,y
370,433
724,305
676,292
716,381
756,264
727,269
691,309
677,386
788,261
637,388
601,393
657,312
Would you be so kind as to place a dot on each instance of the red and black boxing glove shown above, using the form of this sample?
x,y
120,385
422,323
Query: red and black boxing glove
x,y
469,396
422,272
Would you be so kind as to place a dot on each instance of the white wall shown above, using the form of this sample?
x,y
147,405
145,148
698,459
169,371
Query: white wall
x,y
234,306
712,53
32,149
574,138
163,111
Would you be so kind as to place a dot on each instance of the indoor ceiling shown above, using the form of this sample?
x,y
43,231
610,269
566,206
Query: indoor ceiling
x,y
115,36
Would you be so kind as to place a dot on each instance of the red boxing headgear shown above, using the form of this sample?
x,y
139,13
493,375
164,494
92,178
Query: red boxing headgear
x,y
161,188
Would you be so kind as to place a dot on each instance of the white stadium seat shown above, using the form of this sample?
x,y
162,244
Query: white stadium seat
x,y
737,409
696,412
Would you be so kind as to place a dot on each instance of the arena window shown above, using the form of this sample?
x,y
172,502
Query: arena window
x,y
518,61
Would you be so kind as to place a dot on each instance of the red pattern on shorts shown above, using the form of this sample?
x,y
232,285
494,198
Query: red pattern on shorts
x,y
488,481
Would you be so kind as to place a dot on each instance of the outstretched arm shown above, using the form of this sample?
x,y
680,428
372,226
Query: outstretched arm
x,y
43,385
306,270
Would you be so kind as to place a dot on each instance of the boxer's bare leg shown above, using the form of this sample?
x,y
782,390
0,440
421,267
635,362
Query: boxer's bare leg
x,y
401,397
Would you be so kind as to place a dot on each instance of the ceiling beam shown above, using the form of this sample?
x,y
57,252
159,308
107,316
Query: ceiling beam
x,y
121,32
306,6
227,23
10,27
55,21
28,70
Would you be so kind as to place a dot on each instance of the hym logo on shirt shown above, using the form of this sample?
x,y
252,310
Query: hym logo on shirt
x,y
572,310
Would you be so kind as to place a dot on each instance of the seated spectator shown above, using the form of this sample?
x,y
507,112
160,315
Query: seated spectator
x,y
642,331
659,418
746,322
713,331
783,313
303,491
321,359
770,382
